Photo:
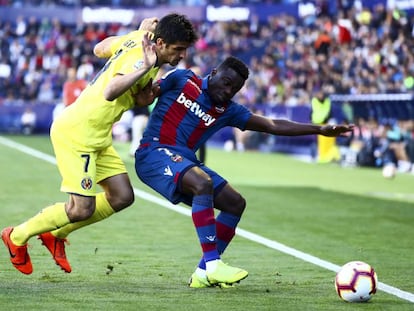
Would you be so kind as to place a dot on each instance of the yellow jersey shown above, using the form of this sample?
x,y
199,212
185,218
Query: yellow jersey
x,y
88,121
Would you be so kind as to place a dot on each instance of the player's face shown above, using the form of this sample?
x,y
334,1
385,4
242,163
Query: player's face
x,y
223,85
172,53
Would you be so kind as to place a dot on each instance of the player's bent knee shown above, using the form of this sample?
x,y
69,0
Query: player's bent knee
x,y
236,207
128,200
122,201
239,206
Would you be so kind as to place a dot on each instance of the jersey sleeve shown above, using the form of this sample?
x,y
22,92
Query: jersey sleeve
x,y
169,79
240,116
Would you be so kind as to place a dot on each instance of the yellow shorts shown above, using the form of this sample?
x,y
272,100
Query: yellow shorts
x,y
82,169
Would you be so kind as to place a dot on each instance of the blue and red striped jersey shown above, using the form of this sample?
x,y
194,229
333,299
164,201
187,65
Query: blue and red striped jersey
x,y
184,115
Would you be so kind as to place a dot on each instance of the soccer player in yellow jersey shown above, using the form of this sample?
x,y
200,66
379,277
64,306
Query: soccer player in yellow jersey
x,y
82,137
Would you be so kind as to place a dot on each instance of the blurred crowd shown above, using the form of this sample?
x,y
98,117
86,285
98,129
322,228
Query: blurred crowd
x,y
126,3
357,51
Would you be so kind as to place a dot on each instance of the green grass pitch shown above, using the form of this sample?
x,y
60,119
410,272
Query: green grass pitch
x,y
141,258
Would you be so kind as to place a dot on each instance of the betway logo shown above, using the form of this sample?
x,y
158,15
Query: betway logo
x,y
195,108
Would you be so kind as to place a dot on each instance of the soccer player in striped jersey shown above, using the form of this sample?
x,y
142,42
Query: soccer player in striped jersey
x,y
82,137
189,111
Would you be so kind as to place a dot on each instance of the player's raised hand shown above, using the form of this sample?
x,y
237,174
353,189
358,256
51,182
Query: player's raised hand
x,y
148,47
336,130
148,24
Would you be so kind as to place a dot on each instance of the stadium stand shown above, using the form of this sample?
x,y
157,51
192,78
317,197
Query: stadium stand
x,y
353,51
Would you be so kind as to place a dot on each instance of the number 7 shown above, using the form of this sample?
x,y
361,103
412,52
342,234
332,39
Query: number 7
x,y
87,158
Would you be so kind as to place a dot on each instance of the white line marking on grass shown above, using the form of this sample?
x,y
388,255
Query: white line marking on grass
x,y
25,149
243,233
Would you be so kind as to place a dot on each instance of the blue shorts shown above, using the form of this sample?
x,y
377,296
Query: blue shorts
x,y
162,167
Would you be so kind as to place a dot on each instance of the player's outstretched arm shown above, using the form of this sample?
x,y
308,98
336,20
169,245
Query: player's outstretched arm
x,y
289,128
336,130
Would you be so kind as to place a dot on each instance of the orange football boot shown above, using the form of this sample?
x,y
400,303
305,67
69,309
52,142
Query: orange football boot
x,y
56,247
19,256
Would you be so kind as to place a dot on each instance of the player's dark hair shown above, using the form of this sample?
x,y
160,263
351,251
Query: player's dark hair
x,y
237,65
173,28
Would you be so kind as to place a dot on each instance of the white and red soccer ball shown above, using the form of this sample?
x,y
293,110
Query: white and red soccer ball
x,y
356,281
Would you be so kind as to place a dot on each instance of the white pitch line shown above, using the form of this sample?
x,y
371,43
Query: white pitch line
x,y
243,233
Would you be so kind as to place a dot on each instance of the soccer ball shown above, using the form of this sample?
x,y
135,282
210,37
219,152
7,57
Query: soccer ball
x,y
389,170
356,281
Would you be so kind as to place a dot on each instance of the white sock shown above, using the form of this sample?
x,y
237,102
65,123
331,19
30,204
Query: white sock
x,y
201,272
212,265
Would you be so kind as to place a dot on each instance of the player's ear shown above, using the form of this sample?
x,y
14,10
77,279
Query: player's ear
x,y
159,41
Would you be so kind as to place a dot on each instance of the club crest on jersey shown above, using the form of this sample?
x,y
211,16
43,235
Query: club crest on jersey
x,y
173,156
86,183
220,109
196,109
138,64
177,158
